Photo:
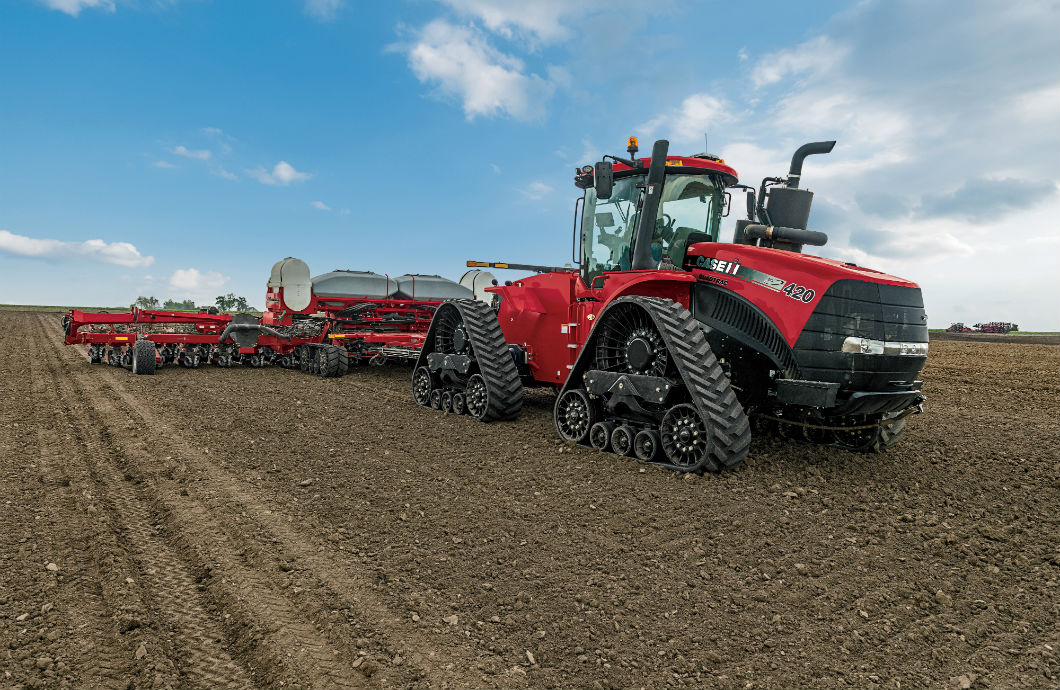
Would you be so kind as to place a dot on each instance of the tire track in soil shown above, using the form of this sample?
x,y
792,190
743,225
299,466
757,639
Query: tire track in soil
x,y
279,548
87,639
193,643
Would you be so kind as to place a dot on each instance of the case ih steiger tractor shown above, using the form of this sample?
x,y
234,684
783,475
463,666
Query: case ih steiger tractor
x,y
664,340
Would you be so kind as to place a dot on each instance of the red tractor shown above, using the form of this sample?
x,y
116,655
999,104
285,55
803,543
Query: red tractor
x,y
664,340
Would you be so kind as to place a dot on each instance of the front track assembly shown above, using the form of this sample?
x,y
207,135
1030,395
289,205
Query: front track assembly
x,y
465,366
647,384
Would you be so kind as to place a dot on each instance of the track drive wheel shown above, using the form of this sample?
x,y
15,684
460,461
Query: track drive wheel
x,y
143,357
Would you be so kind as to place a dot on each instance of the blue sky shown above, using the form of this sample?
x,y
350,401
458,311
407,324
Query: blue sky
x,y
180,148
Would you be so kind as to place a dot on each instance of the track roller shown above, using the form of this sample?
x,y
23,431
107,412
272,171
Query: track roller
x,y
459,403
447,401
622,440
646,445
436,399
600,435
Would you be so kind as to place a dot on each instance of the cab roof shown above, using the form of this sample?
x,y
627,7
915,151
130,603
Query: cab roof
x,y
689,165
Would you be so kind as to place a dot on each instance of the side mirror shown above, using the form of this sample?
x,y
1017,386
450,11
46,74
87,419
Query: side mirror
x,y
750,205
605,179
726,204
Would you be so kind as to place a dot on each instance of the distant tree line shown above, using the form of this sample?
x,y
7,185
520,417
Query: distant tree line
x,y
229,302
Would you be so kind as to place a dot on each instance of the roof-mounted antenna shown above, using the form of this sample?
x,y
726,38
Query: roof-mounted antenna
x,y
706,143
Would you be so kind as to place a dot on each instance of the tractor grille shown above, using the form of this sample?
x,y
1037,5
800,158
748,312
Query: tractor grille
x,y
868,310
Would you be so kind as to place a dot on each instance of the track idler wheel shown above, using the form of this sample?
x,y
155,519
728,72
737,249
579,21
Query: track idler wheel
x,y
575,414
422,384
685,439
622,440
600,435
477,397
646,445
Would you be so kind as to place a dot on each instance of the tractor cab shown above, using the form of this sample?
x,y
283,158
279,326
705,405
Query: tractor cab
x,y
685,198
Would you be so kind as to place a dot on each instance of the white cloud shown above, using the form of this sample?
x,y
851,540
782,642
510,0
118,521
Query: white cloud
x,y
166,165
120,253
344,211
283,173
461,64
537,190
192,282
324,10
74,7
495,168
201,154
320,205
698,113
542,19
221,172
817,55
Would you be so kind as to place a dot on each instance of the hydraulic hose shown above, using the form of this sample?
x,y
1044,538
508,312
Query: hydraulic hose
x,y
793,235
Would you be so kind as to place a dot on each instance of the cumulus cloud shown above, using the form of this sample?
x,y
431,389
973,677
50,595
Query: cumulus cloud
x,y
120,253
195,283
537,190
165,165
818,55
697,114
320,205
74,7
324,10
460,64
283,174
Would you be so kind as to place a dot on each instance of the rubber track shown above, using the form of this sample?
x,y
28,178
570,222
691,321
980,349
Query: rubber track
x,y
703,376
490,352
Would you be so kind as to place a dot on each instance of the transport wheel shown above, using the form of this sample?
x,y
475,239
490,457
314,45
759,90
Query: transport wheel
x,y
304,359
684,438
342,359
322,365
143,357
600,435
477,397
622,440
95,355
447,401
126,358
436,399
421,386
646,445
574,415
459,403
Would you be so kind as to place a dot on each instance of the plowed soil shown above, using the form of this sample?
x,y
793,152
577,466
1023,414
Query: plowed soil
x,y
262,527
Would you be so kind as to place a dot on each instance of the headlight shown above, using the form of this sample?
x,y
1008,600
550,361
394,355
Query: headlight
x,y
867,346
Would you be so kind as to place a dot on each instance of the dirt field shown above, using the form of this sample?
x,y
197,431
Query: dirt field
x,y
247,528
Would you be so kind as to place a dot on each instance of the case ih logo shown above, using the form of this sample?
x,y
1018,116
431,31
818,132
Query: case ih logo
x,y
735,268
719,266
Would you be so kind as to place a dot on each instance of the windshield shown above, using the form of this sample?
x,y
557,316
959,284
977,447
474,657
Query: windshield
x,y
690,203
